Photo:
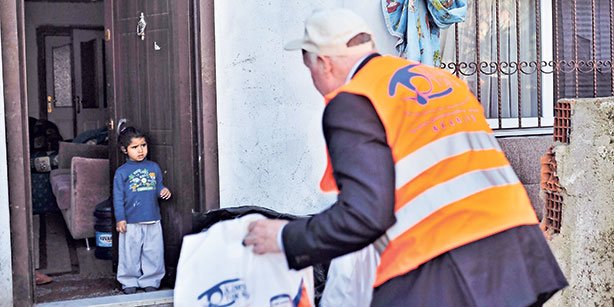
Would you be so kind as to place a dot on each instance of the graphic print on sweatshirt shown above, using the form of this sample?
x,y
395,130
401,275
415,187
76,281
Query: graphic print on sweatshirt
x,y
142,180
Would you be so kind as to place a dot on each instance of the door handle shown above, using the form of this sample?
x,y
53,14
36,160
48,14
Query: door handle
x,y
78,104
49,104
120,125
140,27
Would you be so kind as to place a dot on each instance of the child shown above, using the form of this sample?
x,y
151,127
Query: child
x,y
136,187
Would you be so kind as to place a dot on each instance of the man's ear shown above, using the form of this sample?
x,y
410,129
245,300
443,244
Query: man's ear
x,y
326,64
123,149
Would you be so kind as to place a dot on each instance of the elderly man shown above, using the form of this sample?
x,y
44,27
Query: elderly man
x,y
418,173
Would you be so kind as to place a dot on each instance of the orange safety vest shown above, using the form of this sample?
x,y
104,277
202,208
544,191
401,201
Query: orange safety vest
x,y
454,185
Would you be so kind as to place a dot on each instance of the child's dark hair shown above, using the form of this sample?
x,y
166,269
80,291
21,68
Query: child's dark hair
x,y
127,134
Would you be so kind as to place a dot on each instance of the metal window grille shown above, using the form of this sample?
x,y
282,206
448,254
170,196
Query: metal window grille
x,y
584,38
524,80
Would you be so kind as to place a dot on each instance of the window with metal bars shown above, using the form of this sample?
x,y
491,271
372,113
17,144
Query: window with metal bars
x,y
584,34
519,57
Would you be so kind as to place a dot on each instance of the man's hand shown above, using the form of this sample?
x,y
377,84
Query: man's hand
x,y
263,235
121,226
165,194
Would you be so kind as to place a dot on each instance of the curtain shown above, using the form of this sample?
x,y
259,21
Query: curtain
x,y
517,56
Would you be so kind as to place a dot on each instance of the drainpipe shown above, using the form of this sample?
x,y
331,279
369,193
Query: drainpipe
x,y
18,175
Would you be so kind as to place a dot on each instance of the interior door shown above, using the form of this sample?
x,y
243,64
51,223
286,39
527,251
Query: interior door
x,y
90,104
58,62
152,89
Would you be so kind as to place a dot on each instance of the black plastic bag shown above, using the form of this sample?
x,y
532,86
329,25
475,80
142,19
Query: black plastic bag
x,y
202,221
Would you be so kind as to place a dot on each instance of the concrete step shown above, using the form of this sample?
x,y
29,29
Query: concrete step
x,y
157,298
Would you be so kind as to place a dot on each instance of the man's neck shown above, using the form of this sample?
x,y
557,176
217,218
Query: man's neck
x,y
359,64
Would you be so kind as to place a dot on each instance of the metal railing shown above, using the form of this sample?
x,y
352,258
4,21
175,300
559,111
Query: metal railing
x,y
552,49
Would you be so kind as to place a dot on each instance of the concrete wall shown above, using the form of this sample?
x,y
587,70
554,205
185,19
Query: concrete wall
x,y
6,271
59,14
585,167
271,149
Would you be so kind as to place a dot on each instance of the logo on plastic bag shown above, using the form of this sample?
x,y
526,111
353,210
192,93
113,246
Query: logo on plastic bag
x,y
282,300
225,293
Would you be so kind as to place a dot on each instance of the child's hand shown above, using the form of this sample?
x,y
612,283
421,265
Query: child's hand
x,y
165,194
121,226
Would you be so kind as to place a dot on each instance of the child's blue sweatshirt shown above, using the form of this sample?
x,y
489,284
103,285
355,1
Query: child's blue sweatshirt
x,y
136,187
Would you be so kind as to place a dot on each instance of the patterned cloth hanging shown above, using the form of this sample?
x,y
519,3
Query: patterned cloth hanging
x,y
416,24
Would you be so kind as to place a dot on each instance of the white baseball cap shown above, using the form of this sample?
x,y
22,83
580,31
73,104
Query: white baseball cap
x,y
327,32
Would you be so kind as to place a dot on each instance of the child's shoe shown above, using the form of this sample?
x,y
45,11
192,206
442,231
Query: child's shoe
x,y
150,289
130,290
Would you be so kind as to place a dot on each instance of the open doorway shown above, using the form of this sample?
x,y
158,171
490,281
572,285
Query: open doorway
x,y
150,83
67,102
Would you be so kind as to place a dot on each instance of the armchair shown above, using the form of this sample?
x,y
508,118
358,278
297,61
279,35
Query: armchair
x,y
80,183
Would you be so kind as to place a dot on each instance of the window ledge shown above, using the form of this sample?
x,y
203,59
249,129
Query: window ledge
x,y
502,133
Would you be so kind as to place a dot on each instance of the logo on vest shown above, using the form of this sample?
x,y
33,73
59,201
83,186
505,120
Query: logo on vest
x,y
417,83
225,293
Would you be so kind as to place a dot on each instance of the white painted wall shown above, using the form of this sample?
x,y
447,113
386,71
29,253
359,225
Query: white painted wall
x,y
6,270
49,13
271,148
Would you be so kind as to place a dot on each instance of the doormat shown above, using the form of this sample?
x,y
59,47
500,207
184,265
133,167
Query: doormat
x,y
73,286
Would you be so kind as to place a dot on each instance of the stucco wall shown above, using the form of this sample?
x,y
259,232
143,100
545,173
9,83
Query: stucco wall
x,y
59,14
6,271
271,149
585,167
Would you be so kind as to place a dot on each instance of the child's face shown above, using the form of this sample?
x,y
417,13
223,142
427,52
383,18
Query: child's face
x,y
137,150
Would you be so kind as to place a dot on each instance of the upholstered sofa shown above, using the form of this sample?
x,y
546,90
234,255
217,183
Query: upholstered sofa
x,y
80,182
44,141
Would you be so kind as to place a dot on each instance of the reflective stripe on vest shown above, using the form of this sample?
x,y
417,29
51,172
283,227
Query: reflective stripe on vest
x,y
447,193
426,157
453,183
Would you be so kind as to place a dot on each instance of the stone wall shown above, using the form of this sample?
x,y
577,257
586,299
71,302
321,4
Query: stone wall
x,y
524,154
585,245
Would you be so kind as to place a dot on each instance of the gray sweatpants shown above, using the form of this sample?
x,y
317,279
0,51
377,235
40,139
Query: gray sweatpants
x,y
141,256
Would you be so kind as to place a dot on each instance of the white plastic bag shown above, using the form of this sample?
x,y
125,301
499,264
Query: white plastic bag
x,y
350,279
215,269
